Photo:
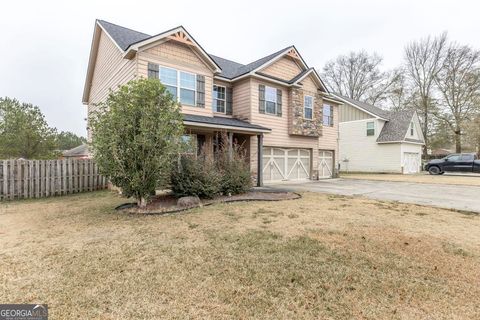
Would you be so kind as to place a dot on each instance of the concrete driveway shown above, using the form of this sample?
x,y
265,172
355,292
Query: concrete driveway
x,y
445,196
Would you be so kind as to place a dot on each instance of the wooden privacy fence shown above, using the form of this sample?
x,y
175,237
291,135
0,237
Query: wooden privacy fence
x,y
21,179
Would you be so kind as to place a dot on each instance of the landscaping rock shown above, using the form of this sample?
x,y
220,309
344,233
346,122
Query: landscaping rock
x,y
186,202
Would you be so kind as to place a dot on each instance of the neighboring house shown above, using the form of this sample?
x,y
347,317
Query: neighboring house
x,y
80,152
277,106
375,140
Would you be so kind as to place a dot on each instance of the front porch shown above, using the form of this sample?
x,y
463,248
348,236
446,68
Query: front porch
x,y
209,133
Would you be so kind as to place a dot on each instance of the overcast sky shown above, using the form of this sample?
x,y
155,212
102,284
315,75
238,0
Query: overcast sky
x,y
45,44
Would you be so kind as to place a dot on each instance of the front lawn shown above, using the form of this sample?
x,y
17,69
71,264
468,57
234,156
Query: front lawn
x,y
320,257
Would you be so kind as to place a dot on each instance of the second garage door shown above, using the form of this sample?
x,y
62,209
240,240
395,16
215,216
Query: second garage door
x,y
411,162
285,164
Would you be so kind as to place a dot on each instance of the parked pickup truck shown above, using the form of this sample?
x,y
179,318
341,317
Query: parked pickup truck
x,y
459,162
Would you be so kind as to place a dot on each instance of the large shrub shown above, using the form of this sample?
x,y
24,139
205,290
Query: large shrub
x,y
234,169
196,177
227,173
136,137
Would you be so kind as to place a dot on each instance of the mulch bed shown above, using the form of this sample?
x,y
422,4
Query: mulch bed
x,y
167,203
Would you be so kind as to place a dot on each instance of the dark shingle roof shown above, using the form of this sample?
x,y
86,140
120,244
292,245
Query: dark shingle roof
x,y
368,107
222,121
80,151
229,67
124,37
396,128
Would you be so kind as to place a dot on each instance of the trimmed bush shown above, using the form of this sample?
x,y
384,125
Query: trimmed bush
x,y
201,176
196,177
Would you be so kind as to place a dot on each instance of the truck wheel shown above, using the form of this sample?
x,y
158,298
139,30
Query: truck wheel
x,y
434,170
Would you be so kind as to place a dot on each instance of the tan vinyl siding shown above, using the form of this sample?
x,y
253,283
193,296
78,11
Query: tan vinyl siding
x,y
180,57
110,72
241,101
349,113
329,138
284,68
309,86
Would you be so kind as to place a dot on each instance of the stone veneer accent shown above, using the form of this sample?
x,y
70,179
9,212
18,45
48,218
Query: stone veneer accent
x,y
298,125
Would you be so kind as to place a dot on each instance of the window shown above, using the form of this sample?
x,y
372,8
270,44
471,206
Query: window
x,y
189,144
308,107
270,100
370,128
168,77
411,128
327,115
188,82
467,157
219,99
174,80
453,157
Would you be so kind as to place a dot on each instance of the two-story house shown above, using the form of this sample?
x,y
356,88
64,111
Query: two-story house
x,y
276,107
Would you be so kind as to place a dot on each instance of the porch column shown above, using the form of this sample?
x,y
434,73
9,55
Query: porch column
x,y
260,160
230,145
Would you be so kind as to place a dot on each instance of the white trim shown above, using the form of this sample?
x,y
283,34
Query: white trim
x,y
276,101
410,142
218,126
178,86
224,99
360,108
278,57
324,87
313,104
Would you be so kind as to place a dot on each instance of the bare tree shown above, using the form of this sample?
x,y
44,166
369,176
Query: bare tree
x,y
357,75
459,85
400,95
423,61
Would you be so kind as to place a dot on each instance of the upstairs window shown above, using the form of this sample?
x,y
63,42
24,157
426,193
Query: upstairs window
x,y
188,82
412,130
308,107
327,115
270,100
370,128
176,81
169,79
219,98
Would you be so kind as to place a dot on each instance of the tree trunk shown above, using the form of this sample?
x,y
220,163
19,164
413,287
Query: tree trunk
x,y
458,141
425,130
142,203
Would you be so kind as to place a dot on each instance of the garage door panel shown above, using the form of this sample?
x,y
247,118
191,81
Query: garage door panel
x,y
325,164
411,162
286,164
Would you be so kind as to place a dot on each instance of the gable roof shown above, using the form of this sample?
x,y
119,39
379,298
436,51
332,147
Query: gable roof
x,y
396,128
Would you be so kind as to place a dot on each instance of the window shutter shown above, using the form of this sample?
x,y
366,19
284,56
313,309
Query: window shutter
x,y
331,116
228,108
153,71
279,102
261,98
200,91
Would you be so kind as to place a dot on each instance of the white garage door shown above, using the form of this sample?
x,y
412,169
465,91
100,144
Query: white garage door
x,y
411,162
325,164
285,164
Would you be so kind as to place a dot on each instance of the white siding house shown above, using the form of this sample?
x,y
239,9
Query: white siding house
x,y
375,140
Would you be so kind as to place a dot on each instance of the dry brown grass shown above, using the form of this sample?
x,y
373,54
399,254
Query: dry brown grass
x,y
471,180
320,257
